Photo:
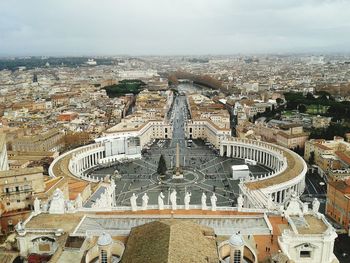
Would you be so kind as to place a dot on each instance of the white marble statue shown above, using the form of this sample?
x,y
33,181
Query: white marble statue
x,y
204,201
37,208
112,184
240,201
45,207
70,206
57,205
100,202
187,200
105,200
133,202
315,205
145,199
161,201
281,209
20,226
213,200
79,201
173,200
295,206
270,203
305,208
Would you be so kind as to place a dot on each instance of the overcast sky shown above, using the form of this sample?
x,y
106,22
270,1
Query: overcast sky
x,y
172,27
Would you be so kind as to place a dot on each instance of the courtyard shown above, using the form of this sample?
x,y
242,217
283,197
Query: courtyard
x,y
204,172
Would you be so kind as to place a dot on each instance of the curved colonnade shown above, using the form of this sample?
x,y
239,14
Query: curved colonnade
x,y
287,176
77,161
86,158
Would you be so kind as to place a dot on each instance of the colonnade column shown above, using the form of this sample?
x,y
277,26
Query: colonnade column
x,y
228,153
260,155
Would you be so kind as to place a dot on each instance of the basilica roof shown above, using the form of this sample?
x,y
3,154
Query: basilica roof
x,y
170,241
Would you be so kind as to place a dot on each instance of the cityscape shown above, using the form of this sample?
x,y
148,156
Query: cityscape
x,y
140,153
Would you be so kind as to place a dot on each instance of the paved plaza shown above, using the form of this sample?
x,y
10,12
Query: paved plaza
x,y
204,170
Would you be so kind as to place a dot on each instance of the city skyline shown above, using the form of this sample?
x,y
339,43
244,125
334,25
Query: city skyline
x,y
93,28
175,131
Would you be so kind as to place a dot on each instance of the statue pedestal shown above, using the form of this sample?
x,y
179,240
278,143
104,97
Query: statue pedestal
x,y
178,176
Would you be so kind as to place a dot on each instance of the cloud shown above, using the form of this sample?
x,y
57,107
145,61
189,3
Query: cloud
x,y
89,27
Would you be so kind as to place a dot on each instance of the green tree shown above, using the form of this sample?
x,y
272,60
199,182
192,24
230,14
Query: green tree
x,y
72,140
302,108
309,96
335,129
161,165
279,101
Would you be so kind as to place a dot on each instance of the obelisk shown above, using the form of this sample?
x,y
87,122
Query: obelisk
x,y
177,174
177,157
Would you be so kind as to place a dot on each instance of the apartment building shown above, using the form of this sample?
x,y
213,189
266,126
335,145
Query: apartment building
x,y
17,187
338,202
339,174
328,154
209,121
291,136
148,121
46,141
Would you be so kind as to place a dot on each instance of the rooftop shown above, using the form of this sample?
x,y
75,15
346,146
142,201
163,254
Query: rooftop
x,y
342,186
323,147
20,172
170,241
75,185
67,222
309,224
240,167
51,182
344,156
295,167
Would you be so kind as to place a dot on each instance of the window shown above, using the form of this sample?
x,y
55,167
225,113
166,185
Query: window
x,y
17,189
305,254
